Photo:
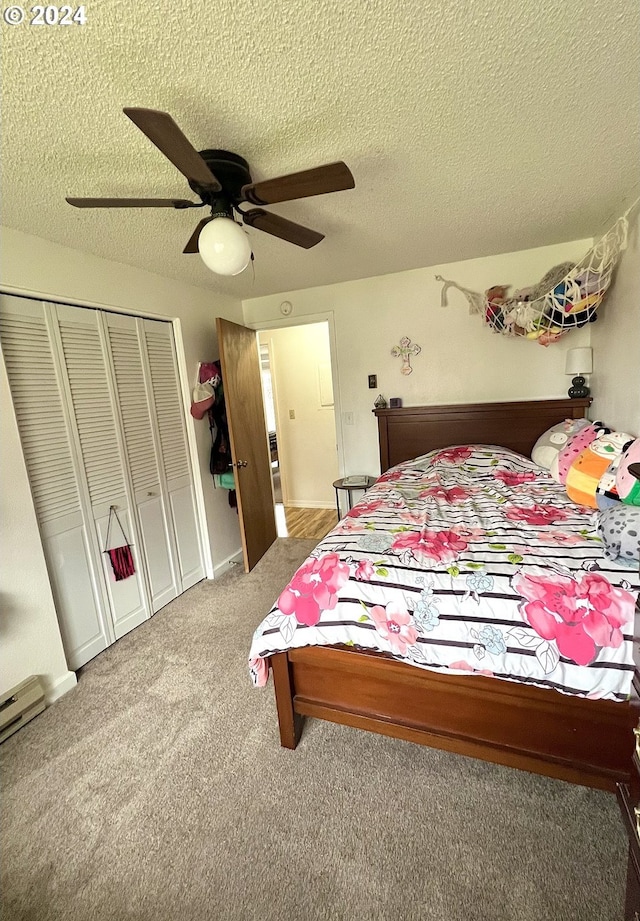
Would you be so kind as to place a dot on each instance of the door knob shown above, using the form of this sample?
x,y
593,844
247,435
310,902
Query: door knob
x,y
239,463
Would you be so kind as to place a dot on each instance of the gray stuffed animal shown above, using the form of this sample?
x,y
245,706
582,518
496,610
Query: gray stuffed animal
x,y
619,529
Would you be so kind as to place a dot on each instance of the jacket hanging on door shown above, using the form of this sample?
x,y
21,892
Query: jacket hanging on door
x,y
220,460
121,557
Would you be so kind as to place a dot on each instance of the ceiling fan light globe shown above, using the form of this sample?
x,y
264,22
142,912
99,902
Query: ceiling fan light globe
x,y
224,246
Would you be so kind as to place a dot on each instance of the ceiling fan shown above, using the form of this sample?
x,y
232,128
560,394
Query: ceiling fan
x,y
222,181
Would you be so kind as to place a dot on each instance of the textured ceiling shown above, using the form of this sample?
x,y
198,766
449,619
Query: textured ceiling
x,y
471,128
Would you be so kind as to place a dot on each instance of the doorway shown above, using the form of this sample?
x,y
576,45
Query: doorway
x,y
295,363
270,419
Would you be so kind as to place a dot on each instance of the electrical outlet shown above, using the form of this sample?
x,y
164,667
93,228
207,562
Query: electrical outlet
x,y
348,418
373,381
292,413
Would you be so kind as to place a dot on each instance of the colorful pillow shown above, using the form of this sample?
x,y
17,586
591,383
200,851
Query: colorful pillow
x,y
554,439
583,477
619,530
627,485
574,447
606,490
587,470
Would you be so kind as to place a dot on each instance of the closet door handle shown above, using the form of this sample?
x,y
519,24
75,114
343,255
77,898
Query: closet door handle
x,y
239,463
150,493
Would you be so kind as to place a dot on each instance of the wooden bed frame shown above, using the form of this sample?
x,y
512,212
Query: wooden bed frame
x,y
570,738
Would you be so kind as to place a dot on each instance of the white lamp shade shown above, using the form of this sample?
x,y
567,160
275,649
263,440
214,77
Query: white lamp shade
x,y
224,246
579,361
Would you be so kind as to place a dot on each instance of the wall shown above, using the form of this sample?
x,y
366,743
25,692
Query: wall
x,y
461,359
47,269
615,382
306,444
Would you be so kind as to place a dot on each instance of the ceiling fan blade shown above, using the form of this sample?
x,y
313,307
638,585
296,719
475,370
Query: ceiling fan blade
x,y
192,245
280,227
130,202
334,177
162,131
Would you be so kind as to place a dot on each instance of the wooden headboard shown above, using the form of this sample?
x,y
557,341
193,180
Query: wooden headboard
x,y
413,430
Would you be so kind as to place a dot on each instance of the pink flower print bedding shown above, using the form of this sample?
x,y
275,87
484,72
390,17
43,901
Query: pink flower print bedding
x,y
471,559
314,589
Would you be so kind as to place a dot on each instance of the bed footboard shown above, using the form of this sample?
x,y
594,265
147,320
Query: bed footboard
x,y
570,738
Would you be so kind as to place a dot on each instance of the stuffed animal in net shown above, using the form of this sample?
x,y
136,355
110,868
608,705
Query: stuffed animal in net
x,y
523,313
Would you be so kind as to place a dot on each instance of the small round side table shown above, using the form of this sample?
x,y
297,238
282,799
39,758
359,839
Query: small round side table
x,y
341,485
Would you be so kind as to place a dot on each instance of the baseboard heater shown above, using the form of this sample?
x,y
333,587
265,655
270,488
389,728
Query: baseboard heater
x,y
19,705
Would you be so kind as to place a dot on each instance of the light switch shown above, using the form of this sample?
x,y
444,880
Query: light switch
x,y
292,413
348,418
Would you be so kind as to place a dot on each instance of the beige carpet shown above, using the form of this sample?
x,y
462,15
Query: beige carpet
x,y
157,790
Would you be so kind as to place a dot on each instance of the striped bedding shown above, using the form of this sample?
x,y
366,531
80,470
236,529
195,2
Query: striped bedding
x,y
471,559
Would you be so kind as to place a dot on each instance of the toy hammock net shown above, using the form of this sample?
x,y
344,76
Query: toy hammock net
x,y
566,298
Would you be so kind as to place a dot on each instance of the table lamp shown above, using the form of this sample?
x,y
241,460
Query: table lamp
x,y
578,363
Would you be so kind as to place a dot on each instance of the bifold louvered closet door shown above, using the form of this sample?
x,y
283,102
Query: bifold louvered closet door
x,y
98,407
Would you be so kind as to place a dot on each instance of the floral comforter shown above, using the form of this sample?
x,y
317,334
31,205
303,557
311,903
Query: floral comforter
x,y
471,559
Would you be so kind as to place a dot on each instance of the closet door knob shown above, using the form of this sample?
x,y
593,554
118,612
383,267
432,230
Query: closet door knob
x,y
151,493
239,463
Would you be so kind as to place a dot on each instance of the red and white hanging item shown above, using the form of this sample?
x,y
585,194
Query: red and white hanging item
x,y
121,557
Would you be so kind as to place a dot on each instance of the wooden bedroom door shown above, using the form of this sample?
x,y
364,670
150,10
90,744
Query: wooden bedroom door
x,y
248,435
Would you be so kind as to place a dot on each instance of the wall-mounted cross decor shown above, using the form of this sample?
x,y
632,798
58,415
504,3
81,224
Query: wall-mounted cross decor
x,y
405,350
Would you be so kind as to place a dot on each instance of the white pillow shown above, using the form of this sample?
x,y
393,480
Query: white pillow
x,y
549,445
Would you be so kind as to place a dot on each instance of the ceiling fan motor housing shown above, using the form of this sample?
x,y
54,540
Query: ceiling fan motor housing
x,y
231,171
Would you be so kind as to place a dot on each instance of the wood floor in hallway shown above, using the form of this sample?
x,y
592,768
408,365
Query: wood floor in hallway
x,y
304,523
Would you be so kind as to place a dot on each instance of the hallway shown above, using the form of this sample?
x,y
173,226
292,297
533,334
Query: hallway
x,y
304,523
